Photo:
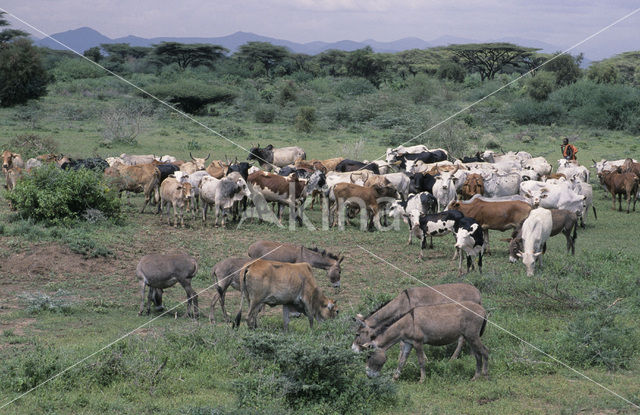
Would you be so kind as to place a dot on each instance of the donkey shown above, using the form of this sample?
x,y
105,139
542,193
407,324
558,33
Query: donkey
x,y
226,273
408,299
161,271
436,325
284,252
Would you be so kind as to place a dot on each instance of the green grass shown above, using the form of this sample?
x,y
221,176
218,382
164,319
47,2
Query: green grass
x,y
94,265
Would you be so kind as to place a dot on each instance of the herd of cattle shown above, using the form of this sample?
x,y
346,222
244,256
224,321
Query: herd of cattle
x,y
431,194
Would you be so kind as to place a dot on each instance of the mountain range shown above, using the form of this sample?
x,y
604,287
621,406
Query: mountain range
x,y
84,38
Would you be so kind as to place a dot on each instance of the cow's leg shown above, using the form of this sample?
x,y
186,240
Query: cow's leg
x,y
423,245
252,316
421,360
460,264
405,349
469,263
182,208
285,317
205,205
456,353
480,262
628,201
430,241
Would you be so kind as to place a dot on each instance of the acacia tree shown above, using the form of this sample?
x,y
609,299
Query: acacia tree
x,y
186,55
489,58
22,74
566,68
262,56
121,52
366,64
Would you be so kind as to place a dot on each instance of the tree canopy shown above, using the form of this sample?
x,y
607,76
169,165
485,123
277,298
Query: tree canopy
x,y
8,34
489,58
186,55
262,56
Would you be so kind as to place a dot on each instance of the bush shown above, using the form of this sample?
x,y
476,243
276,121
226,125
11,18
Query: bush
x,y
452,71
354,87
540,86
56,196
77,68
526,111
32,145
421,87
599,338
305,119
22,74
265,114
38,302
122,124
316,371
191,95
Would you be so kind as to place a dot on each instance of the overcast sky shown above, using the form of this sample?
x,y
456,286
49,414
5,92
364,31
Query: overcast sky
x,y
558,22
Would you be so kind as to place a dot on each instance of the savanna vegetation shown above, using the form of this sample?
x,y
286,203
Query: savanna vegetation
x,y
68,283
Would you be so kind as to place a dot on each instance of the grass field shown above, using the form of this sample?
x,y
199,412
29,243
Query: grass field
x,y
67,292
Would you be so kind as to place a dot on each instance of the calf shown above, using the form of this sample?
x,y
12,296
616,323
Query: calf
x,y
411,209
561,221
470,242
438,224
280,190
536,229
473,185
437,325
365,197
177,194
161,271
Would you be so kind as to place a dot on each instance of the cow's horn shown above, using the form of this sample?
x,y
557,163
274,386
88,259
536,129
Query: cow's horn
x,y
207,158
190,155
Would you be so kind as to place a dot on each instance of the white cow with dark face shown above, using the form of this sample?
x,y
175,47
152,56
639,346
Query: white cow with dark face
x,y
444,188
536,229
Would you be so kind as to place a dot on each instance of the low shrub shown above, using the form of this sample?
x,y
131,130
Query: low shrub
x,y
76,68
32,145
191,95
56,196
540,86
527,111
265,114
305,119
354,87
39,302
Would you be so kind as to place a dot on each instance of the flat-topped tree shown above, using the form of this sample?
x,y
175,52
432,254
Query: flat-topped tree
x,y
489,58
9,34
186,55
262,56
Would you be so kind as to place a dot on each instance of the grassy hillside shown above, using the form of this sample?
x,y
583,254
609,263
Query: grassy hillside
x,y
67,292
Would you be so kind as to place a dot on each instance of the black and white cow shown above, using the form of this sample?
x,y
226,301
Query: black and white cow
x,y
470,242
241,167
411,209
434,156
347,165
269,156
421,182
437,224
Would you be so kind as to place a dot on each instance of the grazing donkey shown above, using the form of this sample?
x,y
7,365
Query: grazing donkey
x,y
226,273
437,325
161,271
283,252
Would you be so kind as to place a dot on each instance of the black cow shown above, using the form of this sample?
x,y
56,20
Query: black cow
x,y
347,165
302,173
421,182
470,242
93,163
425,157
437,224
242,168
477,158
166,169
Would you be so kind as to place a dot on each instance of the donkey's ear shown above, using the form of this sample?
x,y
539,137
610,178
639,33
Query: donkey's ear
x,y
341,259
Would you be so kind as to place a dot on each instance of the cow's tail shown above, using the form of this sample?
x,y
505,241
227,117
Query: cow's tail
x,y
243,292
575,231
595,215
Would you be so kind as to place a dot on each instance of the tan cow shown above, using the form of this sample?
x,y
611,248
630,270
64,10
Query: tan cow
x,y
290,285
344,194
12,177
177,193
217,169
144,178
10,160
498,215
196,164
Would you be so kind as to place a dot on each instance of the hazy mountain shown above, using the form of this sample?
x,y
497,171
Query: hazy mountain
x,y
84,38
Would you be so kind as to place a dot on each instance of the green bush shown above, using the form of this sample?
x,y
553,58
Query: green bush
x,y
452,71
527,111
265,114
354,87
191,95
421,88
305,119
76,68
540,86
599,338
56,196
315,372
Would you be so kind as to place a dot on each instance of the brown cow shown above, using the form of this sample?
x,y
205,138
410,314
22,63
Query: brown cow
x,y
497,215
10,160
345,194
177,193
631,166
619,183
12,176
562,220
290,285
144,178
474,185
330,164
217,169
281,190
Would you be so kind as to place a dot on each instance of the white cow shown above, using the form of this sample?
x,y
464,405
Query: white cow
x,y
444,189
603,164
393,152
553,196
536,229
496,184
586,190
570,170
400,181
538,164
